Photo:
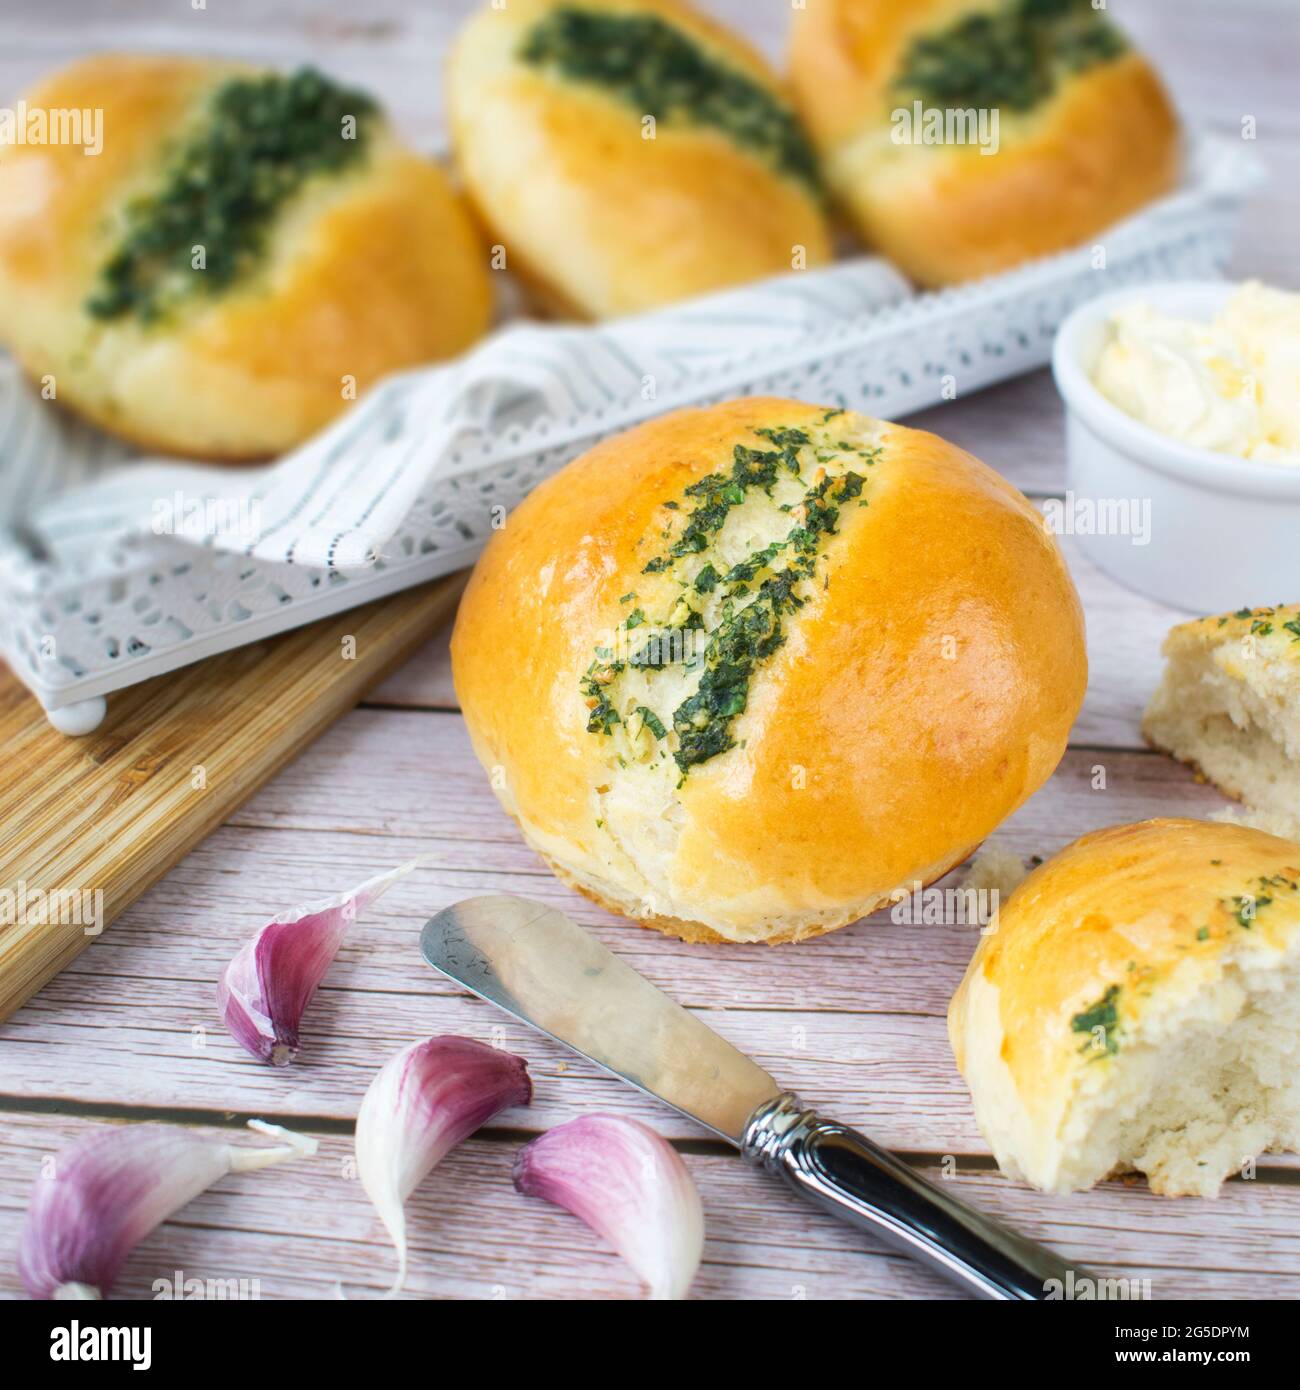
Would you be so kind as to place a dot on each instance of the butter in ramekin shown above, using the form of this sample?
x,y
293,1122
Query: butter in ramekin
x,y
1232,385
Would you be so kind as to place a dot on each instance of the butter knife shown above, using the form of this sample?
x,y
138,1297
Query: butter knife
x,y
536,964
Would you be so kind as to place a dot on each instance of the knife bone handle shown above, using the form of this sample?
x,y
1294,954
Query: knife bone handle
x,y
856,1180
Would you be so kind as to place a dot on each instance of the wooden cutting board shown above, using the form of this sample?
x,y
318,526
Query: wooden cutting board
x,y
109,813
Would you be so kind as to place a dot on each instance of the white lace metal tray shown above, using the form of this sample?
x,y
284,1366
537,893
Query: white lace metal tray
x,y
96,594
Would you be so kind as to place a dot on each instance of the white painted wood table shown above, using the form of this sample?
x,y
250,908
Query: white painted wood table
x,y
855,1020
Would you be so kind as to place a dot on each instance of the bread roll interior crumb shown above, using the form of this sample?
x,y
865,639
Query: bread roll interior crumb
x,y
1216,1084
1229,704
995,869
1270,822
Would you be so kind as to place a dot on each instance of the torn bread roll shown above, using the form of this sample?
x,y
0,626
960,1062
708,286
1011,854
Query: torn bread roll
x,y
995,870
739,673
1229,704
1138,1009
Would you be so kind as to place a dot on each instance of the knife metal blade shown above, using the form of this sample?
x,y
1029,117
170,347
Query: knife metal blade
x,y
536,964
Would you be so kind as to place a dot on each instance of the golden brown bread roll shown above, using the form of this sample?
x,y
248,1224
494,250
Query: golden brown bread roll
x,y
1085,133
740,672
329,254
1138,1008
1229,704
549,105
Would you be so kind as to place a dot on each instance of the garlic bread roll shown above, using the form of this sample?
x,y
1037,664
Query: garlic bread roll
x,y
1085,132
627,153
1138,1009
740,672
246,247
1229,704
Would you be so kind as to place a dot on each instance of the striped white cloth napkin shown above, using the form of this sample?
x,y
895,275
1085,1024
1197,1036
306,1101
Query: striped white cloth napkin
x,y
336,501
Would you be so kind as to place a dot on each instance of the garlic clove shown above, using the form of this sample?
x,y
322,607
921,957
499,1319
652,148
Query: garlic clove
x,y
423,1102
267,986
629,1185
111,1188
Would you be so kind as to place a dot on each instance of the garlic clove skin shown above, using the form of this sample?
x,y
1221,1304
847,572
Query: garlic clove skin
x,y
630,1186
112,1187
266,988
423,1102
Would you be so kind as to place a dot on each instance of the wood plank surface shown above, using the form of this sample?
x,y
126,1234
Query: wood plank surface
x,y
307,1230
855,1020
102,817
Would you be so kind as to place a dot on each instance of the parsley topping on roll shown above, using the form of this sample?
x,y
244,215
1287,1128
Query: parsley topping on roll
x,y
658,71
964,137
794,490
1013,56
628,153
741,672
251,149
247,253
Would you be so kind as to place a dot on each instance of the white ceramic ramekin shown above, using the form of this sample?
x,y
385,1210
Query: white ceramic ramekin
x,y
1221,532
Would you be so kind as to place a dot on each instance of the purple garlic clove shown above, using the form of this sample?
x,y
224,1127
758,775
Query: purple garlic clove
x,y
629,1185
266,988
423,1102
108,1190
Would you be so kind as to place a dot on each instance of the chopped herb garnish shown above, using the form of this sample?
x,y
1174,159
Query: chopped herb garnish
x,y
658,70
1012,57
1244,908
669,646
602,716
784,438
1102,1015
747,570
755,595
743,639
652,721
850,486
707,580
789,442
717,494
260,140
